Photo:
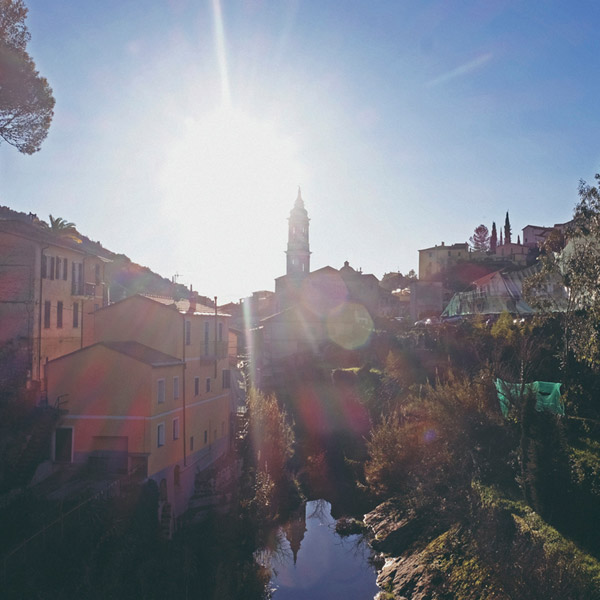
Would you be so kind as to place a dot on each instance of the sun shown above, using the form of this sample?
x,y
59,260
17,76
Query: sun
x,y
226,183
225,154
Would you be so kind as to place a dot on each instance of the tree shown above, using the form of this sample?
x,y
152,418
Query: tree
x,y
62,228
59,225
493,239
507,229
395,280
480,240
26,101
568,280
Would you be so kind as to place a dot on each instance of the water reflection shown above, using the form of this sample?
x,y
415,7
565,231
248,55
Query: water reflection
x,y
309,560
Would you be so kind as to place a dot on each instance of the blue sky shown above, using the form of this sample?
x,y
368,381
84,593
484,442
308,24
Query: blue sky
x,y
406,124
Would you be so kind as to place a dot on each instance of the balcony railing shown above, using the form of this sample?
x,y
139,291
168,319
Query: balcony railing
x,y
79,288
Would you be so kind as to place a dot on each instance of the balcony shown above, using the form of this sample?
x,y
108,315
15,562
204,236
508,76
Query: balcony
x,y
87,290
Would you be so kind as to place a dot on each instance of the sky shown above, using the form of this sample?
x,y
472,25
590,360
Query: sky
x,y
183,128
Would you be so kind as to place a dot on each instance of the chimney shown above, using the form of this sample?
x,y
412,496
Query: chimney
x,y
193,298
442,243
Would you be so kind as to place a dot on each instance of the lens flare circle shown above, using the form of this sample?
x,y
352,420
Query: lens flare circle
x,y
349,325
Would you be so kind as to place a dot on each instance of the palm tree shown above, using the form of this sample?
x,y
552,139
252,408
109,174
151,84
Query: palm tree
x,y
59,225
62,227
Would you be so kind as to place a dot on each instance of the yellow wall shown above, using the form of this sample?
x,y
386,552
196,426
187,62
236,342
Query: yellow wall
x,y
118,386
143,320
111,394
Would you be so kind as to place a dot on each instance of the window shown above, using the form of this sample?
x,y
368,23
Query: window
x,y
77,279
97,274
44,267
52,267
65,268
176,428
196,386
206,330
226,379
175,388
188,333
160,435
220,332
205,436
47,314
58,263
207,385
75,315
161,391
191,443
59,314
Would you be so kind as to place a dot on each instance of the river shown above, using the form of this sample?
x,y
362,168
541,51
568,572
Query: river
x,y
310,561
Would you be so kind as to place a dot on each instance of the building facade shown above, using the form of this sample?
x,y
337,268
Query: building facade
x,y
50,286
433,261
153,394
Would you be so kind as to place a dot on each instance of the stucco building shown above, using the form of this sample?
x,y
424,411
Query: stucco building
x,y
152,393
50,286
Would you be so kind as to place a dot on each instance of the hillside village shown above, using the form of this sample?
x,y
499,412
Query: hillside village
x,y
427,435
131,379
68,305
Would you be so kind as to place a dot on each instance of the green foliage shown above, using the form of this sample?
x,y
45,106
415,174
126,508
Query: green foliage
x,y
26,101
536,560
271,436
437,440
545,463
585,465
568,281
466,576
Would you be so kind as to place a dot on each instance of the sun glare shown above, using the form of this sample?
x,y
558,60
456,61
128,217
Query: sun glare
x,y
237,173
224,155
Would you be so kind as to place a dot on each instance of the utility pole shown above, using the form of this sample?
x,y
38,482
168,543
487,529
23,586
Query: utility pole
x,y
216,343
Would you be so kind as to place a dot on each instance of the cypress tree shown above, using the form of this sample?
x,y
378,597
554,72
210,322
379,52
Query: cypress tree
x,y
507,230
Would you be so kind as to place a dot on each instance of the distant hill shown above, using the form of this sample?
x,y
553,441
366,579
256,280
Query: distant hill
x,y
123,276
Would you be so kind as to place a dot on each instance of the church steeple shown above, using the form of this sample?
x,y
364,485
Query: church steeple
x,y
298,248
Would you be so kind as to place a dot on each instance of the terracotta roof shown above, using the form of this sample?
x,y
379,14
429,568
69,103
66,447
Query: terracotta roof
x,y
459,246
143,353
485,279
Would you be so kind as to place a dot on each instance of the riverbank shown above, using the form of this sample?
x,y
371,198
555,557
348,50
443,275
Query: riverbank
x,y
500,549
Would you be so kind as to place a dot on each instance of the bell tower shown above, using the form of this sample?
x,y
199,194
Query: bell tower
x,y
298,249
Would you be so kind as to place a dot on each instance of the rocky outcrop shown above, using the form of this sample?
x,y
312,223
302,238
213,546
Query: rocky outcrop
x,y
408,577
498,549
392,529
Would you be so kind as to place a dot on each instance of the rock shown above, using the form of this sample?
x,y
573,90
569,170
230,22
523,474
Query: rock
x,y
393,530
408,577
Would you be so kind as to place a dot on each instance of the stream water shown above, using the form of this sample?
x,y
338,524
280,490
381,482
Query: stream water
x,y
310,561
